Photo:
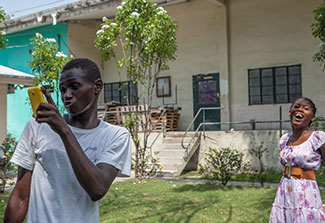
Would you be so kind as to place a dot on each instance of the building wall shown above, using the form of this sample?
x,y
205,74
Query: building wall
x,y
200,50
243,141
201,47
229,40
16,56
81,36
267,33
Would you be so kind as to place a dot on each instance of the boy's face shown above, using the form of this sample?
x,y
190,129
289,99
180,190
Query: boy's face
x,y
78,92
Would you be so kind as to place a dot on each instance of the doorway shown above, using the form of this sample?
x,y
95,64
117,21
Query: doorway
x,y
206,93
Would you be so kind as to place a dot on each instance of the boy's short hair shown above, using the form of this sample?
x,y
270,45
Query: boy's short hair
x,y
89,67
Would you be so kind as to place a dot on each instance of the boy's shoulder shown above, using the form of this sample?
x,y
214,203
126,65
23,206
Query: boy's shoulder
x,y
113,128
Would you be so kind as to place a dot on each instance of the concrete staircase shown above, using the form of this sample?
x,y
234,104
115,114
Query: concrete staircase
x,y
173,156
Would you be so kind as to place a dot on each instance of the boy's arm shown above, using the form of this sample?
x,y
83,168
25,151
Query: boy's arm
x,y
18,200
94,179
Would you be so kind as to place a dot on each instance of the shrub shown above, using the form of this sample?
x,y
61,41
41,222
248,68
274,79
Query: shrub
x,y
7,168
221,164
258,152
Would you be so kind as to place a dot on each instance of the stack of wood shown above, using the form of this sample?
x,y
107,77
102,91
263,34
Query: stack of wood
x,y
104,112
170,119
115,114
157,124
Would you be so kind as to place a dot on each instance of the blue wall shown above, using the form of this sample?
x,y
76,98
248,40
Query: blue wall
x,y
17,56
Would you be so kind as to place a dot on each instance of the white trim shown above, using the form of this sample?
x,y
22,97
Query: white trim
x,y
12,76
84,9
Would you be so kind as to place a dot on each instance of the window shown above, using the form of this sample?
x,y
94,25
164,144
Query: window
x,y
10,88
274,85
122,92
163,87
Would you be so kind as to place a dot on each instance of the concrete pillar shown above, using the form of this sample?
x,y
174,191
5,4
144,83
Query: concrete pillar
x,y
3,112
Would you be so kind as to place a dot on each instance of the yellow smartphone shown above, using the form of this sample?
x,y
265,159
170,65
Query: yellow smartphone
x,y
36,97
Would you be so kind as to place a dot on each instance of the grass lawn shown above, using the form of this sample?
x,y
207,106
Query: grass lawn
x,y
270,176
163,201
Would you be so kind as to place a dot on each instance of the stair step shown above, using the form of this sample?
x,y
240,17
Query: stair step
x,y
174,146
179,134
169,153
171,166
177,140
170,160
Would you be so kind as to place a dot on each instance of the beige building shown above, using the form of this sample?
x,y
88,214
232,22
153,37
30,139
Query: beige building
x,y
255,55
261,50
233,39
249,57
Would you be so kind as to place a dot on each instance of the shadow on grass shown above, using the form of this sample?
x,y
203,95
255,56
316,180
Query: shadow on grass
x,y
174,210
186,203
205,187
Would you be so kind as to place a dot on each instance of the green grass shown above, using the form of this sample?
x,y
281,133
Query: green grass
x,y
271,176
3,203
163,201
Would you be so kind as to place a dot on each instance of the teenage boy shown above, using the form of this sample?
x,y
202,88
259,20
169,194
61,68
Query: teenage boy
x,y
68,162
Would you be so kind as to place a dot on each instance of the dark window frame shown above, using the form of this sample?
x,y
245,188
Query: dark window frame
x,y
270,78
112,96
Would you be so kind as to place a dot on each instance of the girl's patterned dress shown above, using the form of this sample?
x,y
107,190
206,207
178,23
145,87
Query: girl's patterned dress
x,y
299,200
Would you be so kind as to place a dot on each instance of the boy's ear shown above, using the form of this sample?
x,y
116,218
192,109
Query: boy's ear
x,y
98,86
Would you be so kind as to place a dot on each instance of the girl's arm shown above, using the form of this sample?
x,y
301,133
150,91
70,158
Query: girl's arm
x,y
322,152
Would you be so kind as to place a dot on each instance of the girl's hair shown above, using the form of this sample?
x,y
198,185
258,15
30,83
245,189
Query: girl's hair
x,y
310,102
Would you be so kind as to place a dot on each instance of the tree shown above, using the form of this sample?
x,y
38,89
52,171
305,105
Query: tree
x,y
318,31
147,36
47,62
3,40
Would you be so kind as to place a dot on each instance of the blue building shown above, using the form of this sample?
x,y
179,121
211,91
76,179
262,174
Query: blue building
x,y
17,56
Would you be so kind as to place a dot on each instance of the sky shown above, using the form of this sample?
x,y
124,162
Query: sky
x,y
17,8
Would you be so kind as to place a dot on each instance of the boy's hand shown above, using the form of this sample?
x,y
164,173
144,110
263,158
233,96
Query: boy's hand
x,y
49,113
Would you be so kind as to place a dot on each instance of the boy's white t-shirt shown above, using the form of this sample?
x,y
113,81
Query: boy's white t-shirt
x,y
56,195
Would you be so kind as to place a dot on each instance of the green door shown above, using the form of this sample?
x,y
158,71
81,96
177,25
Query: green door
x,y
206,94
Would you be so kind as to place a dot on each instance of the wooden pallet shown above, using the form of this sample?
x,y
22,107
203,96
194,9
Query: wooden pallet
x,y
117,115
171,119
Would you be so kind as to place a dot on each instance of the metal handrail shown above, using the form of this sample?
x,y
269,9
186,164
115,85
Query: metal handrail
x,y
220,123
161,130
160,117
192,122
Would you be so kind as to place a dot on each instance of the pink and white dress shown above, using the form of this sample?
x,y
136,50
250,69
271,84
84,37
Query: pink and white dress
x,y
299,200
